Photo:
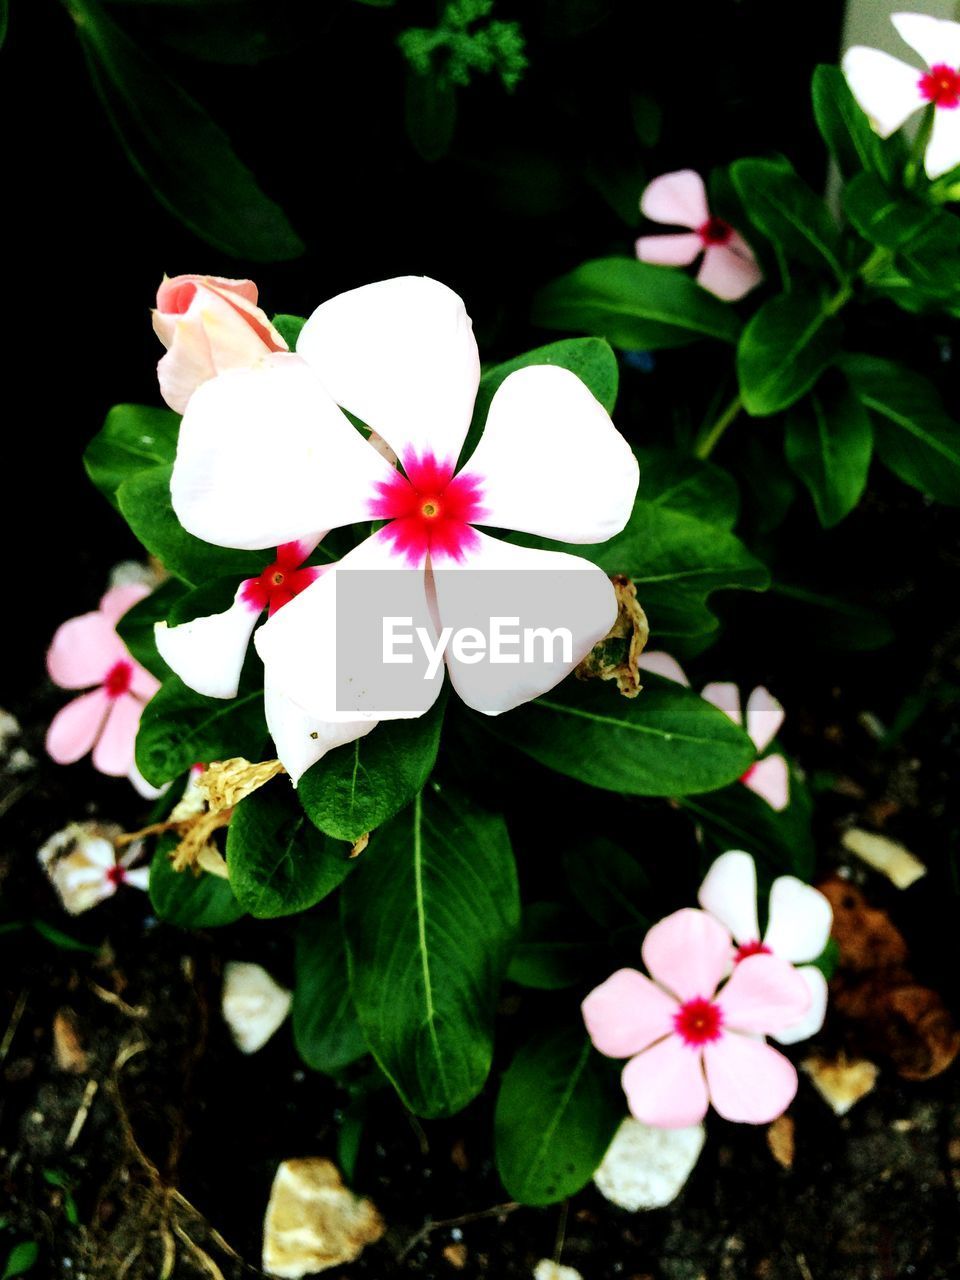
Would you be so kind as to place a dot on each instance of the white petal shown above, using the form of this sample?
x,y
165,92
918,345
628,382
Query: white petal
x,y
551,462
300,739
943,149
800,920
266,457
143,787
769,778
729,892
676,199
522,588
662,664
139,878
764,718
887,89
812,1020
726,697
937,40
332,666
400,355
207,653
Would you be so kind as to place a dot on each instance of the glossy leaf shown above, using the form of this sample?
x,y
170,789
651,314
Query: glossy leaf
x,y
133,438
325,1027
187,899
792,217
135,628
783,351
829,443
847,131
180,728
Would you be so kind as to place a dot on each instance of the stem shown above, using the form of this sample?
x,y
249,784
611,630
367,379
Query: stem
x,y
707,440
914,166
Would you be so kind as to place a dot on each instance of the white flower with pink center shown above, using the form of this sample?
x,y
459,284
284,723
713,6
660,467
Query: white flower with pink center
x,y
87,653
692,1038
267,456
891,91
83,865
729,268
798,927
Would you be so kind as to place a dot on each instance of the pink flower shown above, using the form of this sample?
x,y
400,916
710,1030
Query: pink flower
x,y
798,927
85,652
729,268
689,1044
208,325
769,778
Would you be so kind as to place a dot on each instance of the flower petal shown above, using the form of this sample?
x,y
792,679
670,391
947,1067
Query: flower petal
x,y
75,727
301,740
627,1013
943,149
937,40
764,718
118,600
769,778
669,251
662,664
83,650
142,786
887,89
401,355
113,753
207,653
729,892
266,457
665,1085
678,199
551,462
325,666
800,920
138,878
688,953
749,1082
570,600
764,994
726,697
727,273
812,1020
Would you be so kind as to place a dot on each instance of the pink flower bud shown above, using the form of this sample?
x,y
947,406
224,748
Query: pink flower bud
x,y
208,325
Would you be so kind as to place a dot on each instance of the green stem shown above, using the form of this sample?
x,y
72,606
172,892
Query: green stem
x,y
706,441
914,166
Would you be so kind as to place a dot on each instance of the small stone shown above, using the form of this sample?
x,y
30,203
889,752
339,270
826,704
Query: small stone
x,y
888,857
646,1167
547,1270
781,1141
456,1255
254,1005
68,1051
843,1082
313,1222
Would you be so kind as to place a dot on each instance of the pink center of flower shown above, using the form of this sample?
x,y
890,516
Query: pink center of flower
x,y
698,1021
941,86
177,298
280,581
715,232
116,875
755,948
430,510
745,777
118,679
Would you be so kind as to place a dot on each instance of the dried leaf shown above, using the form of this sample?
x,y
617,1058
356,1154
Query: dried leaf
x,y
781,1141
617,656
841,1082
893,860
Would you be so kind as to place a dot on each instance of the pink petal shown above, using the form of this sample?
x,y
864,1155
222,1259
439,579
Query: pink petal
x,y
83,650
143,683
113,753
677,199
662,664
118,600
800,920
627,1013
812,1020
770,780
669,251
765,715
763,995
75,727
665,1085
688,953
729,892
727,274
726,697
749,1082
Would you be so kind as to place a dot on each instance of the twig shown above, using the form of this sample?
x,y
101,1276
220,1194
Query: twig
x,y
80,1119
12,1025
561,1232
497,1211
110,997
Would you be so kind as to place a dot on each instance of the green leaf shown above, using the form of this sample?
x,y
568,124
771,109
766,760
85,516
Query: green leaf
x,y
830,622
325,1027
135,628
847,131
783,351
21,1259
548,956
608,884
430,917
279,863
144,500
180,728
666,742
634,305
64,941
556,1114
896,221
915,436
357,787
183,156
188,900
781,206
829,443
289,328
133,438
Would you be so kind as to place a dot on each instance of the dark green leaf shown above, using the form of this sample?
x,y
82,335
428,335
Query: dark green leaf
x,y
829,443
180,728
787,211
325,1027
548,956
133,438
634,305
830,622
135,628
896,221
186,899
357,787
289,328
430,917
784,349
847,131
62,940
608,884
556,1114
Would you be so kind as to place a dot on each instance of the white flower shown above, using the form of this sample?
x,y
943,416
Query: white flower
x,y
82,864
890,91
797,931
